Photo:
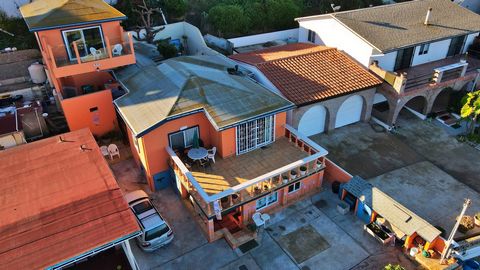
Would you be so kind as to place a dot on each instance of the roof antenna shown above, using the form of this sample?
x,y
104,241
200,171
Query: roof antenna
x,y
427,18
61,138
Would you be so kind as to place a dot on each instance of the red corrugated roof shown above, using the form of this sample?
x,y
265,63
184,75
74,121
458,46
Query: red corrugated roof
x,y
58,201
306,73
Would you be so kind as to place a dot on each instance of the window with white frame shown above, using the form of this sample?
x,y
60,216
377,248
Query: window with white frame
x,y
86,38
424,49
267,200
184,138
294,187
255,134
311,36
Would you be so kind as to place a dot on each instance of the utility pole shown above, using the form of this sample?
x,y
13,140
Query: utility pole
x,y
447,250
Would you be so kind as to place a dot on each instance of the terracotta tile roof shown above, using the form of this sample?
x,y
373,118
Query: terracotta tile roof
x,y
58,201
306,73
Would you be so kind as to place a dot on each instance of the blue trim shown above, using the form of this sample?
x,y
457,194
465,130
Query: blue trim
x,y
36,29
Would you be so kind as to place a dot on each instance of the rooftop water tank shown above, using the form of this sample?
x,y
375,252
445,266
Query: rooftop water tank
x,y
37,73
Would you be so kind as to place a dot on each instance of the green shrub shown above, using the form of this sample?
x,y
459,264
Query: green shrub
x,y
166,49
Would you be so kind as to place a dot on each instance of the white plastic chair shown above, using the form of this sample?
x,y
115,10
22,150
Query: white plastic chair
x,y
104,150
257,218
96,53
117,50
113,151
211,153
266,219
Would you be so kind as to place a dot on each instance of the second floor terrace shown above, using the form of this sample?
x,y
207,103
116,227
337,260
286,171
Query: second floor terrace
x,y
459,67
87,49
234,181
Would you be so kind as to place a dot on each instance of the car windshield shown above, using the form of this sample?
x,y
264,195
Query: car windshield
x,y
142,207
156,232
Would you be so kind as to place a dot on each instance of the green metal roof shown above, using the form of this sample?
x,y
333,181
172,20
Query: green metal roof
x,y
50,14
188,84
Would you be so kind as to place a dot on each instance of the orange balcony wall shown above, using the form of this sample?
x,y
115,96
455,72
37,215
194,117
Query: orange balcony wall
x,y
62,61
149,150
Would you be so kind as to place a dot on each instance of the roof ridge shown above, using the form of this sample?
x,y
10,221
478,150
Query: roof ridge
x,y
326,49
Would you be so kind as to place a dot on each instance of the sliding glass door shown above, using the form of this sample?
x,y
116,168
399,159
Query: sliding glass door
x,y
255,134
86,38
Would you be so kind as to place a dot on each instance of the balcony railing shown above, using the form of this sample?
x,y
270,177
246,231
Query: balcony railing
x,y
257,187
425,74
114,47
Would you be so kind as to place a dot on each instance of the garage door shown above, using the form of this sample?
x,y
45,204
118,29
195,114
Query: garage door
x,y
313,121
350,111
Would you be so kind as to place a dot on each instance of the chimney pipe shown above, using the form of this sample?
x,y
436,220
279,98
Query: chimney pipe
x,y
427,18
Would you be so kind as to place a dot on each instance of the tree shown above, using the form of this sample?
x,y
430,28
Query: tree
x,y
175,8
146,13
228,19
282,13
471,109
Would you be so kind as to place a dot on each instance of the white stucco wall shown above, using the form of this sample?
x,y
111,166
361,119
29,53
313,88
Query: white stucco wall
x,y
263,38
331,33
438,50
387,61
473,5
469,41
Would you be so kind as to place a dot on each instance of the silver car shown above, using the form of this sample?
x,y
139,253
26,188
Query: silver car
x,y
156,232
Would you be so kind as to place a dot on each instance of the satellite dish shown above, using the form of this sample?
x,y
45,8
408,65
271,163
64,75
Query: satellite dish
x,y
335,8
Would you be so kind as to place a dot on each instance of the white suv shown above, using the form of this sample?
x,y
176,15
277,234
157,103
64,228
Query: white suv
x,y
156,232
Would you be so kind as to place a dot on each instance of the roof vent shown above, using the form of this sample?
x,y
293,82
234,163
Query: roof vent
x,y
427,18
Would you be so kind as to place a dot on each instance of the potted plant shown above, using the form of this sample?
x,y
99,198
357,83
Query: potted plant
x,y
266,187
293,174
285,178
303,170
276,179
477,219
257,190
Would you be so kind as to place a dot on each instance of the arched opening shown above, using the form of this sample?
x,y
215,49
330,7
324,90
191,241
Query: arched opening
x,y
415,107
313,121
443,102
350,111
381,107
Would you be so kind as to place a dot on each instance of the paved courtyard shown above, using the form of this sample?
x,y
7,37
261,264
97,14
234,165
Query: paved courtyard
x,y
309,234
420,166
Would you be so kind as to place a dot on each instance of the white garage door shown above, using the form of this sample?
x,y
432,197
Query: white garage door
x,y
313,121
350,111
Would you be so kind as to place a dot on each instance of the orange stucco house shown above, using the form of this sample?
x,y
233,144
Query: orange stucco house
x,y
261,163
81,42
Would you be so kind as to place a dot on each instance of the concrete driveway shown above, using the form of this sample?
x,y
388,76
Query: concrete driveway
x,y
309,234
420,166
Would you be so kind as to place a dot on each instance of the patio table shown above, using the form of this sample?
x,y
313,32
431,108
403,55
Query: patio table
x,y
197,153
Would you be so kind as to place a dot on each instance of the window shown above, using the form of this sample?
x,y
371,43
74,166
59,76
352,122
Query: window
x,y
311,36
267,200
86,38
424,49
294,187
184,138
255,134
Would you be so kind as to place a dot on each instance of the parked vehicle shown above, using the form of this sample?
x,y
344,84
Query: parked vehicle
x,y
156,232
